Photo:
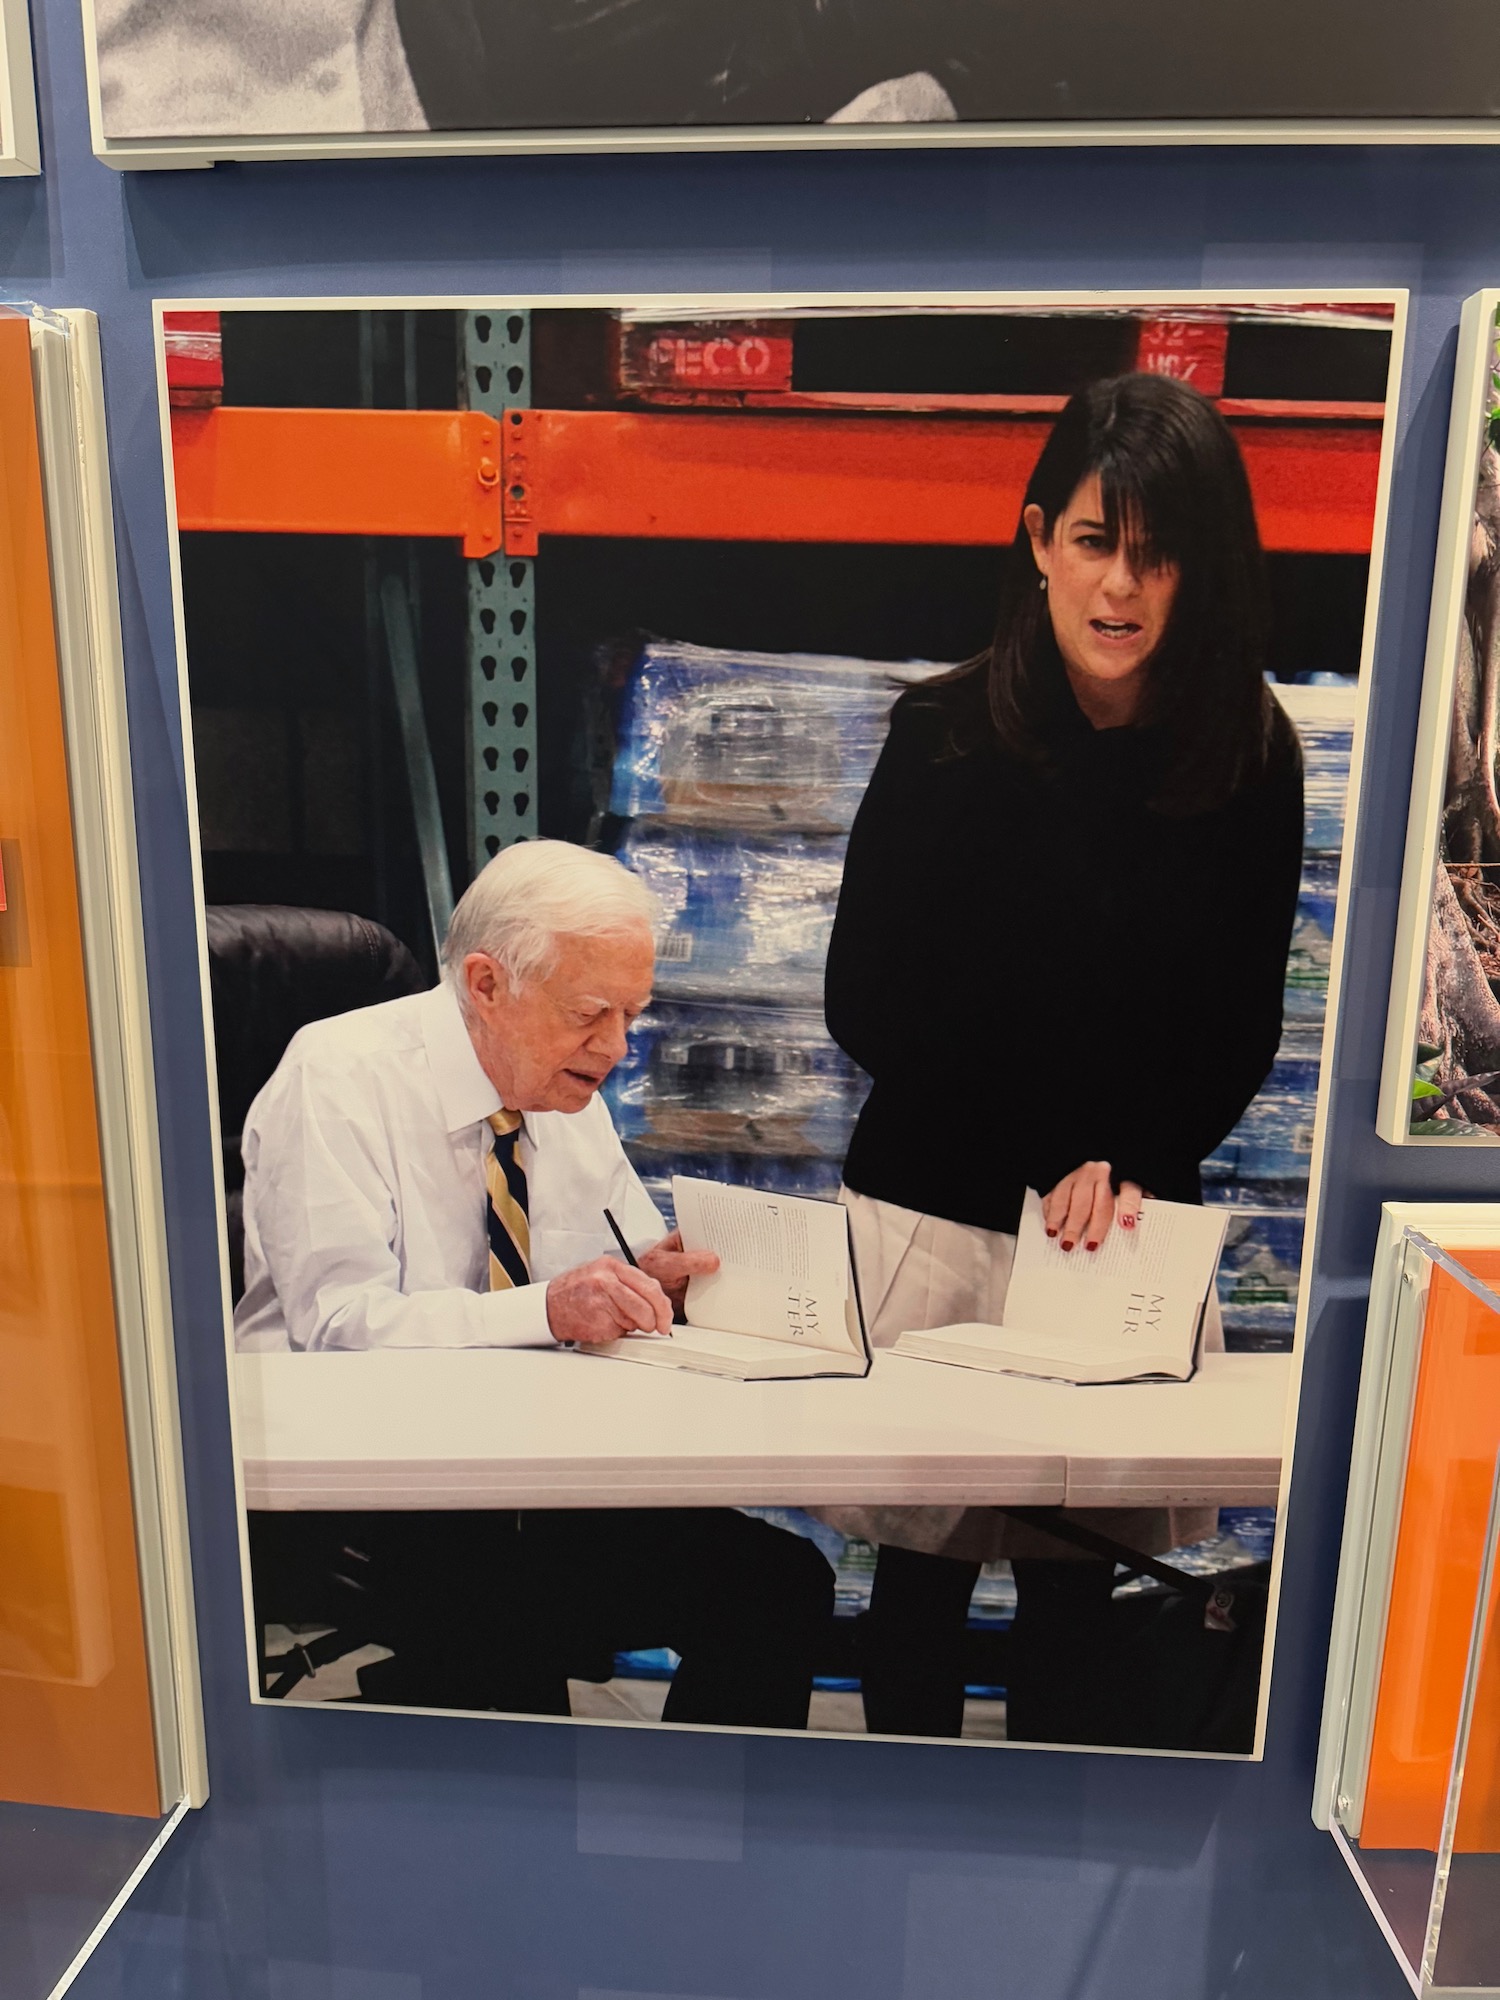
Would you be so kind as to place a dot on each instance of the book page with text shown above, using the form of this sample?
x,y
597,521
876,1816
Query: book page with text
x,y
1143,1288
783,1264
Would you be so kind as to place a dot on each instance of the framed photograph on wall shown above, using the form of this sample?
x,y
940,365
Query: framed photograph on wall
x,y
1440,1083
20,149
185,83
732,839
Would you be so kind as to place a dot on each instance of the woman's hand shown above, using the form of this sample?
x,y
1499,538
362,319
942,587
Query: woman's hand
x,y
1082,1205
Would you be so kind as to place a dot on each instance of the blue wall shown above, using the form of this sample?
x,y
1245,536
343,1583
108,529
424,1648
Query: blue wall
x,y
385,1858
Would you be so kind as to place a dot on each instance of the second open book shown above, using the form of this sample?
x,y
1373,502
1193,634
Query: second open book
x,y
1127,1311
783,1302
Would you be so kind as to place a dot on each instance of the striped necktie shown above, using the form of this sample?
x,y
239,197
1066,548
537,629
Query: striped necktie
x,y
509,1226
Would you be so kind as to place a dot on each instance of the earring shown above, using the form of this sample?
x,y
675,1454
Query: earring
x,y
1041,583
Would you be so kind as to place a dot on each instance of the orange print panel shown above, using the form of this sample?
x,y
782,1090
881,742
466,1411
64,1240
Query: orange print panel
x,y
1450,1470
75,1718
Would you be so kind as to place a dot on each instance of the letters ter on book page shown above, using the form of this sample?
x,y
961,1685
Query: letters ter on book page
x,y
783,1301
1129,1310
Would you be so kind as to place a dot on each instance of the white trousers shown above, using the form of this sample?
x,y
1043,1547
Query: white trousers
x,y
918,1271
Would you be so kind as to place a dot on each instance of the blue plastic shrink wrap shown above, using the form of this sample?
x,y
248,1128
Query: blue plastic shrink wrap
x,y
746,916
753,1080
750,740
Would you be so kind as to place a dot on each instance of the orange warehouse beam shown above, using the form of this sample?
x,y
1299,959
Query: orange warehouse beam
x,y
1314,487
340,472
707,476
898,479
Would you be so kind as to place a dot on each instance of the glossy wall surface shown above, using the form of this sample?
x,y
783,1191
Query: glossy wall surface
x,y
75,1715
362,1857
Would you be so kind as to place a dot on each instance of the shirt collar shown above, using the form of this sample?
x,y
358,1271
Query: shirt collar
x,y
465,1094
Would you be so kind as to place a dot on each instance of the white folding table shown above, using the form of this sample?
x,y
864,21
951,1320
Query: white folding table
x,y
485,1427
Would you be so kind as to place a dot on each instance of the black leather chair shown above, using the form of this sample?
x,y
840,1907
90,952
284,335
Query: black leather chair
x,y
271,971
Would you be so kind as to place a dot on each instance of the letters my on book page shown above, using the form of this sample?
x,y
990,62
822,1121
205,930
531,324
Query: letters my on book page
x,y
1129,1310
783,1301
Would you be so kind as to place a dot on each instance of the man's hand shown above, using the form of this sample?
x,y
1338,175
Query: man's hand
x,y
1082,1205
672,1266
601,1301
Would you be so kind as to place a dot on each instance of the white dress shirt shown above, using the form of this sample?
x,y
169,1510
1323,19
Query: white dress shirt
x,y
366,1211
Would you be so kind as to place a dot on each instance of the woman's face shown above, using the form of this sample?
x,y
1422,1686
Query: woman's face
x,y
1107,617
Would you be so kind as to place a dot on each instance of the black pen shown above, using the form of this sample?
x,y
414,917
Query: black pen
x,y
619,1235
625,1250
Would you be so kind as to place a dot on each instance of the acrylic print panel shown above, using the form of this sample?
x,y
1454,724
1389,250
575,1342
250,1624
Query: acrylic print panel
x,y
185,78
75,1699
100,1728
1441,1080
1407,1774
1462,1947
649,577
1436,1560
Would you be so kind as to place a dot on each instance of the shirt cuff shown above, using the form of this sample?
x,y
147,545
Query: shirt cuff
x,y
517,1318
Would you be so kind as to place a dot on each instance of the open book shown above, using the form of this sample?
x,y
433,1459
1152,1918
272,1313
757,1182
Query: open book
x,y
783,1301
1131,1309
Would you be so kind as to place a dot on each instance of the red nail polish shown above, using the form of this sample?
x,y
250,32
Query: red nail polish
x,y
1051,1232
1091,1246
1127,1222
1066,1244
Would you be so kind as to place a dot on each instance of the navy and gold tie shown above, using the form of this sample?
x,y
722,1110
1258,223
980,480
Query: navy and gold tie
x,y
509,1224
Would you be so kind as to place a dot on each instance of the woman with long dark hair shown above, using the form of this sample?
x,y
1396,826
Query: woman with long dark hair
x,y
1059,954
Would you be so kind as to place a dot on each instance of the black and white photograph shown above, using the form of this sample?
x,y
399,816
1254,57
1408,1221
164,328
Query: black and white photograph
x,y
770,887
248,78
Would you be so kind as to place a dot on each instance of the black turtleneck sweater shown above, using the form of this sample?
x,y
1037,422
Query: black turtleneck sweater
x,y
1036,969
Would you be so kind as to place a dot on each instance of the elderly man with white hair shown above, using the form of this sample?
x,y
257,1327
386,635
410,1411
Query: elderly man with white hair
x,y
433,1172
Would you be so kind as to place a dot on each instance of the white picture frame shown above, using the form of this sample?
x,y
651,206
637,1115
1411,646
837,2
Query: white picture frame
x,y
1434,796
1381,1429
20,144
257,1440
68,374
878,125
